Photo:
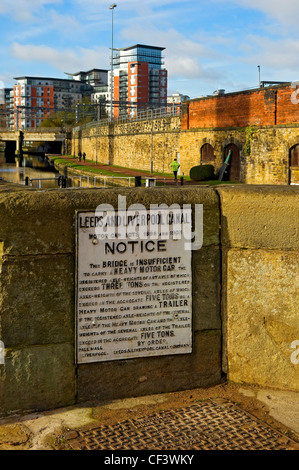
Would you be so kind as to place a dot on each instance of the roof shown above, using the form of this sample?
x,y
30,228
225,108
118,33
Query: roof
x,y
44,78
86,72
143,45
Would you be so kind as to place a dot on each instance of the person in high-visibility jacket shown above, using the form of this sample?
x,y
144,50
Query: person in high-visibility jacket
x,y
175,166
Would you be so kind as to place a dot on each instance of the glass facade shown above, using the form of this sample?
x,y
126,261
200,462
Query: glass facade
x,y
138,53
140,79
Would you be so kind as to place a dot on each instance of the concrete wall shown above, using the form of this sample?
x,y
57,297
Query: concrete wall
x,y
246,274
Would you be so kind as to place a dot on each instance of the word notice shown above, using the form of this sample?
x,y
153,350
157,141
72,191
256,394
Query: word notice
x,y
134,294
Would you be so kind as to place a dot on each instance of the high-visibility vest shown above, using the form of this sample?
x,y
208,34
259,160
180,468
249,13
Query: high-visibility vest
x,y
175,165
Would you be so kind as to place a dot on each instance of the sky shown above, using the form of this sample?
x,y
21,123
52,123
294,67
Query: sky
x,y
209,44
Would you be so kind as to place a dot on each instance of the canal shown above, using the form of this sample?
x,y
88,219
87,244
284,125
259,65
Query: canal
x,y
35,168
37,172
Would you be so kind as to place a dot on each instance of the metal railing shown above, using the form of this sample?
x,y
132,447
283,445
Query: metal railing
x,y
106,181
146,115
7,129
56,130
84,181
30,181
151,182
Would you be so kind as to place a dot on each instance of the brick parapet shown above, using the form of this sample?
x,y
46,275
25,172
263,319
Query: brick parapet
x,y
264,106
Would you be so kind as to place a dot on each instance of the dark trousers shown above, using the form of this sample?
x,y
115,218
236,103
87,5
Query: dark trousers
x,y
175,174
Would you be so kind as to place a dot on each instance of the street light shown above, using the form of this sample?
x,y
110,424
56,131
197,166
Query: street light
x,y
111,77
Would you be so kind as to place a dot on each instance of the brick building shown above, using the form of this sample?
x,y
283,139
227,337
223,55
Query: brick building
x,y
260,127
35,98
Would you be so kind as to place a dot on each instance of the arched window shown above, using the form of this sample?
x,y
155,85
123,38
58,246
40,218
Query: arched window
x,y
294,156
207,153
233,169
293,164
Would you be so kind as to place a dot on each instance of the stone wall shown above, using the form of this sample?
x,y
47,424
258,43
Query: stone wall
x,y
38,309
245,296
263,124
264,151
268,159
260,242
138,144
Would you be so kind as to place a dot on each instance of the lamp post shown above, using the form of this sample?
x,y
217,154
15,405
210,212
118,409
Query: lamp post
x,y
111,77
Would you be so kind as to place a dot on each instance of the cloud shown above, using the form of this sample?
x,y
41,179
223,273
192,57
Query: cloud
x,y
67,60
283,11
25,10
183,56
278,54
206,43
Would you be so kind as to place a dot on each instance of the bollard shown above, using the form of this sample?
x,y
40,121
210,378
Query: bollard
x,y
137,181
27,181
182,180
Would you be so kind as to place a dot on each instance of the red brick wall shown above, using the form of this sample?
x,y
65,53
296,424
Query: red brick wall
x,y
264,107
287,111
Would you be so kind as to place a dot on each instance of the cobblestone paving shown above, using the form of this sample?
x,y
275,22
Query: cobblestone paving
x,y
209,425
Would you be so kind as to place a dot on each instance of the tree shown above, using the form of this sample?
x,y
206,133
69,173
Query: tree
x,y
79,114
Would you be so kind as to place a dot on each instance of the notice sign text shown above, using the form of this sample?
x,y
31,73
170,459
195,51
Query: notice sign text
x,y
134,284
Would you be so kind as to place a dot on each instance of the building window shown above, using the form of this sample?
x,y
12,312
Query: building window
x,y
207,153
294,156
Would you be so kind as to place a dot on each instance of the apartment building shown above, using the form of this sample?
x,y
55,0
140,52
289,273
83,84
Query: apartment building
x,y
139,82
35,98
139,79
5,107
94,77
177,98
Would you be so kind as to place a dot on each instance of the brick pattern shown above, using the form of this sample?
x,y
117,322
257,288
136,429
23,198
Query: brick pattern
x,y
263,107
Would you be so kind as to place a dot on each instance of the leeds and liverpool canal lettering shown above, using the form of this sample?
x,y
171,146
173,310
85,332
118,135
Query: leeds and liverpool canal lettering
x,y
133,296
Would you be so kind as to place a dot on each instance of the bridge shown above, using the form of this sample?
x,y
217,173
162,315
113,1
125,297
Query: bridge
x,y
51,134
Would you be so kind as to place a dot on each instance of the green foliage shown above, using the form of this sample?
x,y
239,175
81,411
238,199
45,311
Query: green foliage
x,y
60,119
79,114
202,172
